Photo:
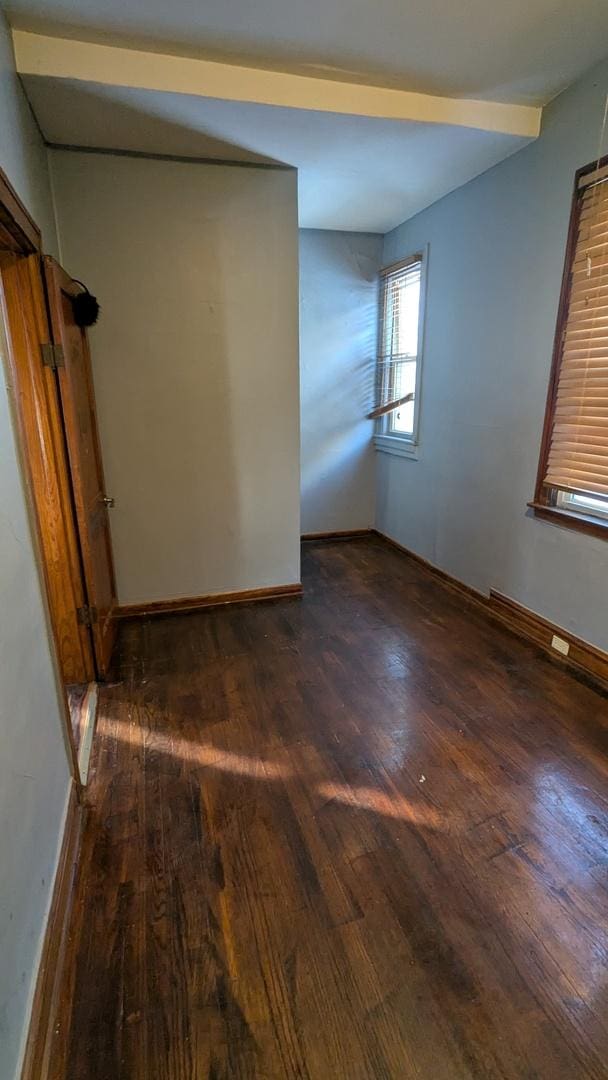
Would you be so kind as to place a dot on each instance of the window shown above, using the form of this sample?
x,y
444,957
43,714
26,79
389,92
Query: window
x,y
583,503
399,355
572,484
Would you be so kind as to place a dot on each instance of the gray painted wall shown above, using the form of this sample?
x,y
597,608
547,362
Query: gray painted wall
x,y
495,265
195,361
34,774
338,321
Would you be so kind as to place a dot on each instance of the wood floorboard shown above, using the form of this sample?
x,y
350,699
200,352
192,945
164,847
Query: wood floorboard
x,y
361,835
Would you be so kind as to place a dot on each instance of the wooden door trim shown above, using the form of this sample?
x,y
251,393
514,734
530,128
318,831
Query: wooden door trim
x,y
20,237
41,437
15,221
20,394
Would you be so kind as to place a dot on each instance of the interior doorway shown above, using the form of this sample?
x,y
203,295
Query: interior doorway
x,y
51,389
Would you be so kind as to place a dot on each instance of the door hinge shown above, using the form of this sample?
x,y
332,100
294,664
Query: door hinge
x,y
52,355
86,615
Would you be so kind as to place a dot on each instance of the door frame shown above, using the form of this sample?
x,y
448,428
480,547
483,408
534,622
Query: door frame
x,y
20,237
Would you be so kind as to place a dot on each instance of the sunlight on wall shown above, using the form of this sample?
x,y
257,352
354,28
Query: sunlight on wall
x,y
338,325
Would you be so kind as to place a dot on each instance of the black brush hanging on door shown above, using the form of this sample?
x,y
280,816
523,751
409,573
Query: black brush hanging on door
x,y
84,306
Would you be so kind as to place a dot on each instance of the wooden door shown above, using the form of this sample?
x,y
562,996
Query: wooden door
x,y
80,422
37,409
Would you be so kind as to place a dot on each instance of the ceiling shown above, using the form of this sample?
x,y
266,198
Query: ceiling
x,y
520,51
369,152
355,173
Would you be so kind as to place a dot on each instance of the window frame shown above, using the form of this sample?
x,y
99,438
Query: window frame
x,y
547,502
402,443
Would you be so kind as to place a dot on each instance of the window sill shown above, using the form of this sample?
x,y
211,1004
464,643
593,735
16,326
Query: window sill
x,y
392,444
571,520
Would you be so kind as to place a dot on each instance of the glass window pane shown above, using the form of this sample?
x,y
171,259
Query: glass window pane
x,y
402,419
590,504
405,314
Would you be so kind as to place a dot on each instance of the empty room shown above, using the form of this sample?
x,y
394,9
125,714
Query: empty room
x,y
303,540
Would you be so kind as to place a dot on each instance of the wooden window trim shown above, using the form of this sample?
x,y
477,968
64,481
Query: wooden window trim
x,y
542,504
571,519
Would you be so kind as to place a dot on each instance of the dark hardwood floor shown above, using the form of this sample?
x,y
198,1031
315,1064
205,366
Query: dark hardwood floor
x,y
361,835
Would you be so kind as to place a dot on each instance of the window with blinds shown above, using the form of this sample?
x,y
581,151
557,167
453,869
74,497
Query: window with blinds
x,y
399,349
573,472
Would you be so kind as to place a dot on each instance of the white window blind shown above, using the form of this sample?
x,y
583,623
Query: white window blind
x,y
577,459
398,339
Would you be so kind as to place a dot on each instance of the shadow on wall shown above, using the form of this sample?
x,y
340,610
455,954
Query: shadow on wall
x,y
125,119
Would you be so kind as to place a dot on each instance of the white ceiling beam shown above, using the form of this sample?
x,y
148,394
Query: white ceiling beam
x,y
62,58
